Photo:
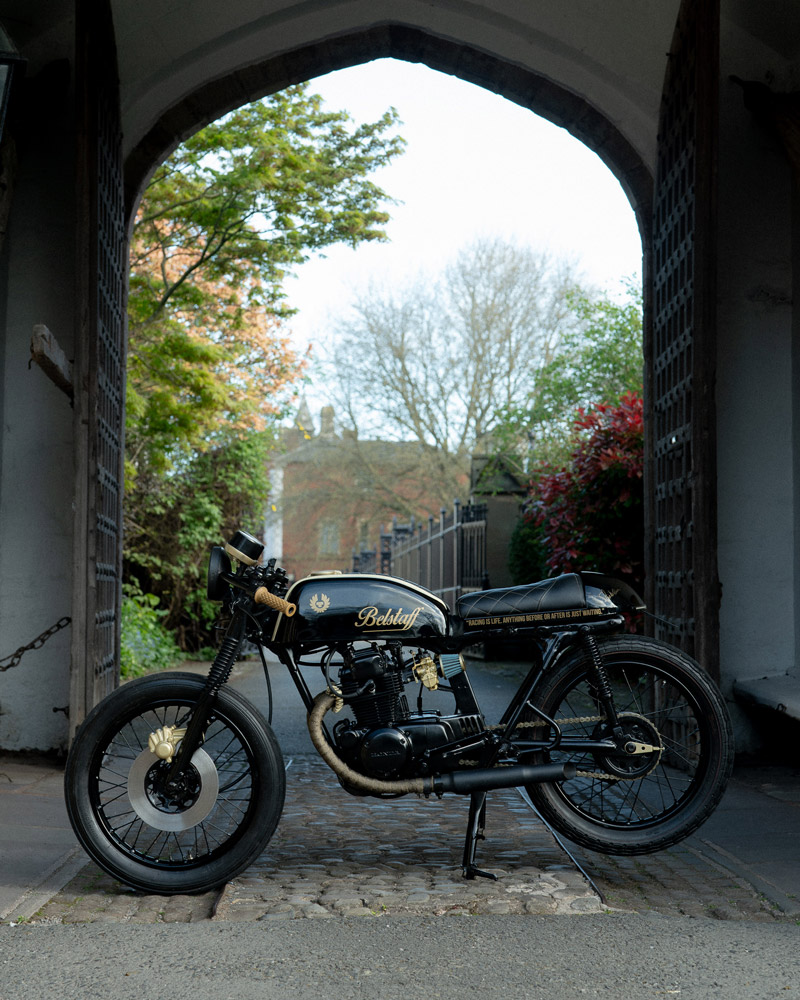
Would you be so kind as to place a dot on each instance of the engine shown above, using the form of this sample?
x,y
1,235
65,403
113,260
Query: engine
x,y
372,684
385,739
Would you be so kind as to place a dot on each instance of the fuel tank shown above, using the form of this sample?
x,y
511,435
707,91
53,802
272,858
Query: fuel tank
x,y
347,607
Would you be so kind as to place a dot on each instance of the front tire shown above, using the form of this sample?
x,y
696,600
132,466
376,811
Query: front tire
x,y
639,804
208,830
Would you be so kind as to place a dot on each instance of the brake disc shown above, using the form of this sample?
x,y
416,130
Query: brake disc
x,y
162,814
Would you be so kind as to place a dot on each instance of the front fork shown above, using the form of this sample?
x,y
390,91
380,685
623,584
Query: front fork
x,y
217,676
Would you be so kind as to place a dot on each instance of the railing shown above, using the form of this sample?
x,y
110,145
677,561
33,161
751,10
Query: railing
x,y
374,560
447,557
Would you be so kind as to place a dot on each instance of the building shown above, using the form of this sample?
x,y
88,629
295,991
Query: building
x,y
333,494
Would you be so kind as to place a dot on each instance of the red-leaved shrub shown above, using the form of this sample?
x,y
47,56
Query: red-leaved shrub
x,y
590,514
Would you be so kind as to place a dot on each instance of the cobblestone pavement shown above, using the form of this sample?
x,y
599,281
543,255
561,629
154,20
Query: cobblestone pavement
x,y
335,855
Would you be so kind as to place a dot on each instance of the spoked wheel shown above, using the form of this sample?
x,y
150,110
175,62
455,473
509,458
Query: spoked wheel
x,y
196,833
680,748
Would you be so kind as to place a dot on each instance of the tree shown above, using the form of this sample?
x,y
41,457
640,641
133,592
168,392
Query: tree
x,y
211,369
224,219
599,360
437,362
174,520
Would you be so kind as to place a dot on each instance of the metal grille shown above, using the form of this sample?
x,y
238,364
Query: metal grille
x,y
109,402
683,337
99,349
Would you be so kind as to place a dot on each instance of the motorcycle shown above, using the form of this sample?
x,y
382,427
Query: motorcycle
x,y
175,783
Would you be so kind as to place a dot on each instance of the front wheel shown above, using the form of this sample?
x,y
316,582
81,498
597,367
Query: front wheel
x,y
201,831
648,801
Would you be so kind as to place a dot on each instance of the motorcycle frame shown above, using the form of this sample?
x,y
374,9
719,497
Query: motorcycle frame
x,y
548,644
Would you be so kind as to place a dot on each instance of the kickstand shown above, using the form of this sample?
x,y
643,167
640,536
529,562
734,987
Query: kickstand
x,y
476,824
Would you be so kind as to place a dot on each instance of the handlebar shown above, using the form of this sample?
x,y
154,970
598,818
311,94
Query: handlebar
x,y
263,596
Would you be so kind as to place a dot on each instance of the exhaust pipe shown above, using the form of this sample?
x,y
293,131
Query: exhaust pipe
x,y
486,779
482,779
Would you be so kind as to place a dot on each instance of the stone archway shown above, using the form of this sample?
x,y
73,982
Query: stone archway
x,y
99,416
540,95
211,100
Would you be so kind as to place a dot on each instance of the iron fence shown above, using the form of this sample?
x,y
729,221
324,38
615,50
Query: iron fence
x,y
446,556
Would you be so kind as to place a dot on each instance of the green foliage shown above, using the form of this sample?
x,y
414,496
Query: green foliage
x,y
527,553
179,517
211,371
146,644
220,225
598,360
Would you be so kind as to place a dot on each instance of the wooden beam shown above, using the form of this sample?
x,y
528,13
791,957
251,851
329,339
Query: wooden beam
x,y
47,354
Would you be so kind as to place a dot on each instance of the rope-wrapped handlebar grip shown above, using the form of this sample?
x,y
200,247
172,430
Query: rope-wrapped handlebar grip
x,y
263,596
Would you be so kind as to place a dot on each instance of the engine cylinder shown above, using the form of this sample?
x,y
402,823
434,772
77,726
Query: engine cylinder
x,y
384,702
386,705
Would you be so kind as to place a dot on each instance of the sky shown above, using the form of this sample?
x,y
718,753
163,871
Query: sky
x,y
475,165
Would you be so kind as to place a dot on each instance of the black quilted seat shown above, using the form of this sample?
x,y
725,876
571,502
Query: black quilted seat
x,y
559,594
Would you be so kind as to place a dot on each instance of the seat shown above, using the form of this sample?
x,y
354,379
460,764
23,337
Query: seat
x,y
559,594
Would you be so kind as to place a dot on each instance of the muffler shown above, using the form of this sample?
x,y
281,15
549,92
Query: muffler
x,y
485,779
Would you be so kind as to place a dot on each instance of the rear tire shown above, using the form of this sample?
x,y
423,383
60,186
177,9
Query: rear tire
x,y
643,803
228,806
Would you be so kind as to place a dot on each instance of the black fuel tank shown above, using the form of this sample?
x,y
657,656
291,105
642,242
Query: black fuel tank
x,y
349,607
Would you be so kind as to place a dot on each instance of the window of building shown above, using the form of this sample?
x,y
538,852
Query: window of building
x,y
329,539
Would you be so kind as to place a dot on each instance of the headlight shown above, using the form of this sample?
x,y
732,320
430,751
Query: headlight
x,y
218,563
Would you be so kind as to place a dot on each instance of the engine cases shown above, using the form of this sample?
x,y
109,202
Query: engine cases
x,y
412,747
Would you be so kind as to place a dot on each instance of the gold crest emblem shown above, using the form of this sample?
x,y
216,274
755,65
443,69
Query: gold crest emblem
x,y
319,603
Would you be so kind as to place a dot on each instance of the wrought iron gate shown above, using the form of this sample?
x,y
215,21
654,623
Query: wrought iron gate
x,y
685,589
100,345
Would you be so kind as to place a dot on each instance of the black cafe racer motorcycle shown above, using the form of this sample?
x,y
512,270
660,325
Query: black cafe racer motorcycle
x,y
175,783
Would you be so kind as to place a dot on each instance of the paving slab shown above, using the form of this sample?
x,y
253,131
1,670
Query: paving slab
x,y
37,845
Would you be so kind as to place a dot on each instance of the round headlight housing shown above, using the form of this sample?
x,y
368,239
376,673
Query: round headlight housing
x,y
218,563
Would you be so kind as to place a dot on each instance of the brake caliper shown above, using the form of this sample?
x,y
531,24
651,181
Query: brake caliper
x,y
164,742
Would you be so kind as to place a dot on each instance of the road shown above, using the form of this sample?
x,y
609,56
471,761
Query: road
x,y
516,958
636,956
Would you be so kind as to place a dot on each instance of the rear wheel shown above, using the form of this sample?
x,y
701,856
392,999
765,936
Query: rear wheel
x,y
202,830
644,802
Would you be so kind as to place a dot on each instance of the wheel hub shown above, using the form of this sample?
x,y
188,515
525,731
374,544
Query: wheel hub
x,y
640,749
177,796
181,804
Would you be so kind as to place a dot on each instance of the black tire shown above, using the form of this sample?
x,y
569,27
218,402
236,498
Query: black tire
x,y
647,802
232,803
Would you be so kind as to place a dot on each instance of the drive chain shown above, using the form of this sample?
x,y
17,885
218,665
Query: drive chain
x,y
541,722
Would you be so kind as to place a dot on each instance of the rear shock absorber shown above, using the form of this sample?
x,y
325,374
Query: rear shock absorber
x,y
601,675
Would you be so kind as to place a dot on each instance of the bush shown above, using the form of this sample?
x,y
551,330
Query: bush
x,y
171,522
146,644
591,513
527,552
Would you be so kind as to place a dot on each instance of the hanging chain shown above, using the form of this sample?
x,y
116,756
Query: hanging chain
x,y
11,661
